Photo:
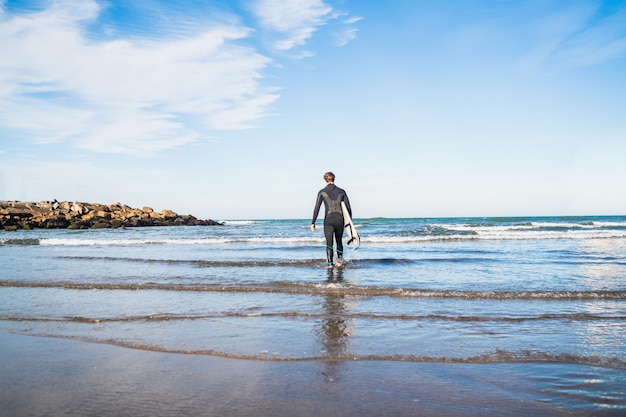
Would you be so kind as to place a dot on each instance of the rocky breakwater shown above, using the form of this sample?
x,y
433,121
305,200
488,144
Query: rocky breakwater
x,y
16,215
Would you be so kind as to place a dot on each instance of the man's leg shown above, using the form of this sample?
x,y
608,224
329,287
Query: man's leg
x,y
338,239
329,232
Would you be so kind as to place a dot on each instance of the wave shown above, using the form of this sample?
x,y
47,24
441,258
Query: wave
x,y
157,241
520,231
263,263
497,356
20,242
239,222
372,234
208,264
339,289
369,239
296,314
316,263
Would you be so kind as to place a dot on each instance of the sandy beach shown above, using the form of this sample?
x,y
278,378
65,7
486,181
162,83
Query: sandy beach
x,y
53,377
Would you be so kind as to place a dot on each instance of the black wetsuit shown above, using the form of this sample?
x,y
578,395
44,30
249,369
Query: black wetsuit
x,y
332,196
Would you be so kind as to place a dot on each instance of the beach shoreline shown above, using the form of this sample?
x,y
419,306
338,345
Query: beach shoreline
x,y
58,376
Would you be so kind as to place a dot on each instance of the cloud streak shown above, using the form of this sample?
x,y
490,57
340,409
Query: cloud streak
x,y
596,43
578,36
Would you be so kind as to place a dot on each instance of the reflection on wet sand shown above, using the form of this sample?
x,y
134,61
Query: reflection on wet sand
x,y
334,330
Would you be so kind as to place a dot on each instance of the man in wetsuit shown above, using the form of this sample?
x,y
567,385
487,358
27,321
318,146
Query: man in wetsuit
x,y
332,196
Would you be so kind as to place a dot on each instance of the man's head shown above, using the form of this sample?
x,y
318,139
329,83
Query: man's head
x,y
329,177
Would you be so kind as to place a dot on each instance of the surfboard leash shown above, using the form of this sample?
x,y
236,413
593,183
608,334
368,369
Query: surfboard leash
x,y
315,244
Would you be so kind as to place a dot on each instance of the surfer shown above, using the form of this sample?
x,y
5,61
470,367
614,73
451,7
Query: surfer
x,y
332,196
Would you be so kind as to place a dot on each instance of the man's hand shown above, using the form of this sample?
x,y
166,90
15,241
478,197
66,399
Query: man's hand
x,y
313,227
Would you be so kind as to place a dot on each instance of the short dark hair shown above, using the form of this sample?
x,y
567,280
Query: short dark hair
x,y
329,177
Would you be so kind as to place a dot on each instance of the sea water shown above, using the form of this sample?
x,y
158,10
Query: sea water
x,y
475,291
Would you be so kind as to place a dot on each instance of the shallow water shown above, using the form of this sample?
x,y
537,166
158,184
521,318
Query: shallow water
x,y
471,292
52,376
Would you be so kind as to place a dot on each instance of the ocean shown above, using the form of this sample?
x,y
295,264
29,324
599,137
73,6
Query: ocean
x,y
544,297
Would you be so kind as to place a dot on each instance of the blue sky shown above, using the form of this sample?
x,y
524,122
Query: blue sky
x,y
235,109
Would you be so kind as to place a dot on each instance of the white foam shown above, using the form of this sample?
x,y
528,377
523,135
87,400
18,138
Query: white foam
x,y
419,233
500,235
129,242
197,241
239,222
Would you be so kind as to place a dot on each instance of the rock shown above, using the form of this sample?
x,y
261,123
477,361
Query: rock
x,y
115,207
77,208
57,222
115,223
89,216
16,215
168,214
79,225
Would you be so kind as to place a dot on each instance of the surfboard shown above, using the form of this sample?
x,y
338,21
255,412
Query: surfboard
x,y
353,235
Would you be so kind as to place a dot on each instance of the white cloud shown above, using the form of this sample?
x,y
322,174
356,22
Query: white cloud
x,y
348,32
124,96
135,132
295,20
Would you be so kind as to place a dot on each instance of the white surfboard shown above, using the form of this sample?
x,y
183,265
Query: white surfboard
x,y
353,235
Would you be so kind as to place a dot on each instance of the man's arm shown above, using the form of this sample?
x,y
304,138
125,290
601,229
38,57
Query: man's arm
x,y
316,210
347,201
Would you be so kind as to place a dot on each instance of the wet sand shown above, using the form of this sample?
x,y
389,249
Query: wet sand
x,y
53,377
